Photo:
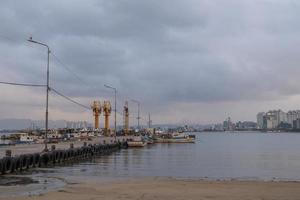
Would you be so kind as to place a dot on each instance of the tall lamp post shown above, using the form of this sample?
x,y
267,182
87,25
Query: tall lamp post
x,y
47,90
138,118
115,90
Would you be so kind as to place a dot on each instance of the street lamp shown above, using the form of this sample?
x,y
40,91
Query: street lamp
x,y
138,118
47,90
115,90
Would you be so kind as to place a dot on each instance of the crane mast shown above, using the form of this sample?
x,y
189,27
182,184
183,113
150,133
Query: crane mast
x,y
96,107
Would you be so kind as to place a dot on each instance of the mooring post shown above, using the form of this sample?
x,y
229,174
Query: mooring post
x,y
53,147
71,146
104,142
84,144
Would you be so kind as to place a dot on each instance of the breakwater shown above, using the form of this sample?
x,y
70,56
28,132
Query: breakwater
x,y
18,163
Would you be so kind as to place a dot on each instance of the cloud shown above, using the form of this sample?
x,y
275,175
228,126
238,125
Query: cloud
x,y
164,53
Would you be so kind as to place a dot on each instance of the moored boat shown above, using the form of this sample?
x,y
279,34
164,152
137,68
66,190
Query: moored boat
x,y
137,141
175,138
148,139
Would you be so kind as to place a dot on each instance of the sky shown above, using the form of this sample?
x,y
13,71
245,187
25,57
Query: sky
x,y
191,61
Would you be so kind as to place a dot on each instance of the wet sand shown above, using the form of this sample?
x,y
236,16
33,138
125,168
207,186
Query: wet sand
x,y
169,189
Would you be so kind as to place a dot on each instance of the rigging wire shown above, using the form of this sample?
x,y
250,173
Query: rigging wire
x,y
22,84
69,99
67,68
54,90
51,89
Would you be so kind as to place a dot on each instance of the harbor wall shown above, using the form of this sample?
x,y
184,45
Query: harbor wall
x,y
18,162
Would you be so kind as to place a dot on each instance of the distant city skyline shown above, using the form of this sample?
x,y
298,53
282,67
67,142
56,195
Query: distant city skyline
x,y
279,119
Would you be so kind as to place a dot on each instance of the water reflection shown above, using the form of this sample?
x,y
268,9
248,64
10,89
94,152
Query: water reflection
x,y
214,156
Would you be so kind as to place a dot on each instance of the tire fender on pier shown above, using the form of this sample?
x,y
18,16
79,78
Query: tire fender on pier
x,y
13,165
36,159
7,164
51,157
44,159
1,166
61,155
76,153
69,154
23,162
18,163
30,161
99,148
56,156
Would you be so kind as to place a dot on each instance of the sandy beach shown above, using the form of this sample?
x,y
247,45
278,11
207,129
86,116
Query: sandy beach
x,y
165,189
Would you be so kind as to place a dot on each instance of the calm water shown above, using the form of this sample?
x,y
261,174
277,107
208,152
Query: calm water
x,y
215,155
244,156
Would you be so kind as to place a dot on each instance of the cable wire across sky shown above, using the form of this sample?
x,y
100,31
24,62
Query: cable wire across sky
x,y
66,67
51,89
22,84
69,99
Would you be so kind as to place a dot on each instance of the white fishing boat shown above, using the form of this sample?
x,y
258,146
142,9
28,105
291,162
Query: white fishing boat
x,y
175,138
26,138
136,141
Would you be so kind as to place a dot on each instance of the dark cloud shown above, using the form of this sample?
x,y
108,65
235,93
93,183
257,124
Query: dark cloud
x,y
161,52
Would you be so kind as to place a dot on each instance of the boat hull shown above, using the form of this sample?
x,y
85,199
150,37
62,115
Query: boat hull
x,y
136,144
164,140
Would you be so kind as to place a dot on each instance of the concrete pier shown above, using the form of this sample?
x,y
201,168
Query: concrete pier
x,y
21,157
36,148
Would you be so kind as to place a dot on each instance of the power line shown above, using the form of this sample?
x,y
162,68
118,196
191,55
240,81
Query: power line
x,y
51,89
69,99
22,84
67,68
59,61
55,57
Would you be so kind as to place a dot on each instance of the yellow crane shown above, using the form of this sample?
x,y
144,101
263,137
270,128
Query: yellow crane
x,y
106,112
96,107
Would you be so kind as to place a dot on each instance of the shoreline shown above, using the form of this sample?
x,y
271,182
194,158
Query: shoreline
x,y
170,188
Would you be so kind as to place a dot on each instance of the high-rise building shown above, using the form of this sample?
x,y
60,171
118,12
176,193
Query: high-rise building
x,y
292,115
228,125
260,120
272,119
296,124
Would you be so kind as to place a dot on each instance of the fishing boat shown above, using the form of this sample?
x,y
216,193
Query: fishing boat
x,y
148,139
136,141
175,138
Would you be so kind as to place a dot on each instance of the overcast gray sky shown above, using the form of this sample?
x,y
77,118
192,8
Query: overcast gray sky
x,y
187,61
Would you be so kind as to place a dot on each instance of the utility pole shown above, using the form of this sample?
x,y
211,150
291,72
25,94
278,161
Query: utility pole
x,y
138,118
149,121
115,112
126,118
47,90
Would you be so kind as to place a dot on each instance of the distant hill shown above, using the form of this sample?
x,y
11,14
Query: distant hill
x,y
17,124
14,124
